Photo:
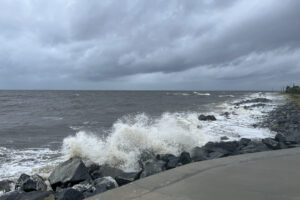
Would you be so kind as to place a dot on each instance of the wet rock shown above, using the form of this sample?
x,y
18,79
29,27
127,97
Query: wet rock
x,y
255,105
147,155
127,177
226,148
185,158
165,157
271,143
256,100
216,154
28,183
11,196
69,173
6,186
83,187
152,166
106,170
244,141
225,114
172,163
288,140
34,195
224,138
199,154
207,118
254,146
93,169
69,194
101,185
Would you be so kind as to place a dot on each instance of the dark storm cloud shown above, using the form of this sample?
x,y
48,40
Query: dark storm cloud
x,y
141,44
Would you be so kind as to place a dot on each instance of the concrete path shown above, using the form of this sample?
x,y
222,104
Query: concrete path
x,y
272,175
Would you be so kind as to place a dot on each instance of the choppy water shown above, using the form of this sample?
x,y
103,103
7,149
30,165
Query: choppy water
x,y
38,129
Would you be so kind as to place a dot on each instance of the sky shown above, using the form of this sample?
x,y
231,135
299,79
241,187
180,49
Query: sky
x,y
149,45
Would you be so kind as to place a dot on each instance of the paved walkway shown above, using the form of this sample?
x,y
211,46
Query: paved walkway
x,y
272,175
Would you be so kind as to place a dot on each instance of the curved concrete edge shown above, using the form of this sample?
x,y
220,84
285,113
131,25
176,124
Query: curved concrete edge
x,y
265,175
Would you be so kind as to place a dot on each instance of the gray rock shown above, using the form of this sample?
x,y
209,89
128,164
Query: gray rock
x,y
224,138
151,167
6,186
127,177
106,170
254,146
198,154
101,185
207,118
244,141
172,163
225,148
69,173
147,155
34,195
185,158
83,187
216,154
271,143
28,183
69,194
165,157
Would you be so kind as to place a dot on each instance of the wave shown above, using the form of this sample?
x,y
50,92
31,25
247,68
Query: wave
x,y
229,95
169,133
201,94
14,162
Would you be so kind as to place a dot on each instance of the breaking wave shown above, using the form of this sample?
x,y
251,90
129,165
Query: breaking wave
x,y
169,133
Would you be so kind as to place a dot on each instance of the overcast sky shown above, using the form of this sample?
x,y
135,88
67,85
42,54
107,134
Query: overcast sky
x,y
149,44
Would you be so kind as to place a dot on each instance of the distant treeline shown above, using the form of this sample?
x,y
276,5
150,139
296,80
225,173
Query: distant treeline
x,y
293,90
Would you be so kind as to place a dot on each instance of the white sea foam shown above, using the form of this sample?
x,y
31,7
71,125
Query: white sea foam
x,y
15,162
170,133
202,94
227,95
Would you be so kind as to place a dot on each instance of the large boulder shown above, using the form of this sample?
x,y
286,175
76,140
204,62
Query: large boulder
x,y
199,154
28,183
253,146
152,166
172,162
271,143
6,186
101,185
34,195
69,173
106,170
226,148
82,187
147,155
244,142
127,177
288,140
185,158
69,194
207,118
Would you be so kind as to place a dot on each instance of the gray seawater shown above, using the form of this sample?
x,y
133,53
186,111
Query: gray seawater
x,y
33,124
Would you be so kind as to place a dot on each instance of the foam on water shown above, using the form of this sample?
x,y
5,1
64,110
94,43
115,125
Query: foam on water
x,y
15,162
201,94
170,133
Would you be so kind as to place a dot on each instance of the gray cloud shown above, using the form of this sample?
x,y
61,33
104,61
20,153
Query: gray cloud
x,y
149,44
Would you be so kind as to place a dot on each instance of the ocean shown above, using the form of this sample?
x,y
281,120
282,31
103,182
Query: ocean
x,y
39,129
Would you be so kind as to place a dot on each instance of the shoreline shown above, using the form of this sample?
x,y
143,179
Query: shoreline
x,y
96,178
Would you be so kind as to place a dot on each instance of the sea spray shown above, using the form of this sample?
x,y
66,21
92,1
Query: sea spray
x,y
129,137
169,133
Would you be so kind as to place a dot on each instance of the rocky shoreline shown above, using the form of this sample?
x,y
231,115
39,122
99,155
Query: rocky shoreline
x,y
78,178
